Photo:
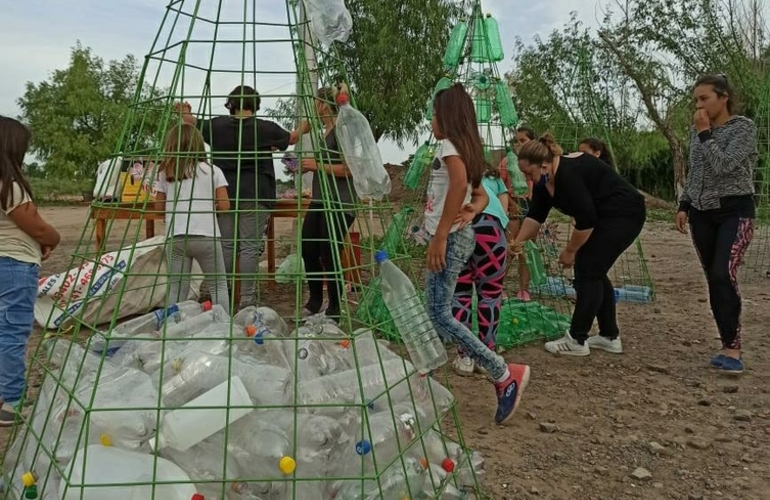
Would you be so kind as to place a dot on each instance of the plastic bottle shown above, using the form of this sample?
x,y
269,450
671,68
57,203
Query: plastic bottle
x,y
479,41
383,439
329,20
192,325
187,426
443,84
633,294
508,116
483,108
518,181
152,322
496,53
269,317
538,276
265,384
420,338
394,235
454,48
134,476
362,156
422,158
261,448
398,482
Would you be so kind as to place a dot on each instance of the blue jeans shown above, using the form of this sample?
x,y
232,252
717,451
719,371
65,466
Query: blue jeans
x,y
18,292
439,292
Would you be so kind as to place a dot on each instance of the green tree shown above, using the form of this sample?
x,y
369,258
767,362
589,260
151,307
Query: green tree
x,y
77,115
392,61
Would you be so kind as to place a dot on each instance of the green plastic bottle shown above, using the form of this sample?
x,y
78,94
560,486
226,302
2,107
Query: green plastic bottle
x,y
493,35
487,153
454,48
538,276
394,235
508,116
518,182
479,41
443,84
483,108
481,81
422,158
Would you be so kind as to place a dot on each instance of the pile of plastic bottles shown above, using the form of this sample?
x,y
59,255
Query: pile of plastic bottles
x,y
189,403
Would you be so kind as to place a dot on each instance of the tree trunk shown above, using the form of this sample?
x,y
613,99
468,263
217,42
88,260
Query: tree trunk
x,y
674,143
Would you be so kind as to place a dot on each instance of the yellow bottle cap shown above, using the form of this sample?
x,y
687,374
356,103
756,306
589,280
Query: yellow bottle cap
x,y
28,479
176,364
287,465
105,440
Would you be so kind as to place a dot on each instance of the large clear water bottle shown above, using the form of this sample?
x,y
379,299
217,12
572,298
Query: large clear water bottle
x,y
411,319
362,156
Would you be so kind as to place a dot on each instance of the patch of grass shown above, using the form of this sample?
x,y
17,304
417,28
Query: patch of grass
x,y
660,215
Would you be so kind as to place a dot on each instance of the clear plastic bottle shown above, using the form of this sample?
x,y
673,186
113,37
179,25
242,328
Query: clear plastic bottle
x,y
191,424
496,53
110,473
329,20
454,48
370,179
422,158
420,338
152,322
383,439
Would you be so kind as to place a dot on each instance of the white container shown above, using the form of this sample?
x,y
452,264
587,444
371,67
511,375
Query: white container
x,y
191,424
106,465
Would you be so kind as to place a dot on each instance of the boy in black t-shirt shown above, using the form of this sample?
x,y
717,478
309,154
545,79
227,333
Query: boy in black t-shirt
x,y
242,145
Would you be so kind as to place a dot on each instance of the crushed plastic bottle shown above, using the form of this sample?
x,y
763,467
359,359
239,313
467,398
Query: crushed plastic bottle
x,y
362,155
329,20
420,338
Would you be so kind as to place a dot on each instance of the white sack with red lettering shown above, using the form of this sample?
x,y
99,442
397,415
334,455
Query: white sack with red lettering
x,y
132,280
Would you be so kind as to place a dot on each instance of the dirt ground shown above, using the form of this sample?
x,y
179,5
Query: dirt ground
x,y
586,425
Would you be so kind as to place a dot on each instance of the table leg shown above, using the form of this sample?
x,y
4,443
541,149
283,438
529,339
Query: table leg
x,y
270,235
149,229
100,223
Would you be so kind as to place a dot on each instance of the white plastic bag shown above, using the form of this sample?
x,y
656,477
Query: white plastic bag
x,y
329,20
143,266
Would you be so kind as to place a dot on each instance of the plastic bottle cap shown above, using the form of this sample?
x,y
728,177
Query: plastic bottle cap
x,y
197,496
381,256
448,465
206,307
363,447
30,492
259,338
250,330
424,462
345,344
287,465
28,479
105,440
343,99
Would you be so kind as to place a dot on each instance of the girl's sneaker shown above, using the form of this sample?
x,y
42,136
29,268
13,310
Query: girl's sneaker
x,y
464,366
8,415
567,346
731,366
509,392
524,296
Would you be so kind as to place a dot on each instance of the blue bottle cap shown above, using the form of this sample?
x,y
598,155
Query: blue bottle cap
x,y
381,256
259,338
363,447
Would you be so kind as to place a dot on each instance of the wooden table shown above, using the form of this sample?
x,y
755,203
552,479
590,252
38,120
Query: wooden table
x,y
102,213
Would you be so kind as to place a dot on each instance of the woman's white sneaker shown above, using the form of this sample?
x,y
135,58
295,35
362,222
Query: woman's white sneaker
x,y
614,346
567,346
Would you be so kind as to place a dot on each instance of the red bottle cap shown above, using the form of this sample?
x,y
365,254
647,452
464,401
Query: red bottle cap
x,y
206,306
198,496
448,465
250,330
343,99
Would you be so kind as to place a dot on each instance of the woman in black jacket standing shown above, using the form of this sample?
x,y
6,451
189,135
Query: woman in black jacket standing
x,y
718,201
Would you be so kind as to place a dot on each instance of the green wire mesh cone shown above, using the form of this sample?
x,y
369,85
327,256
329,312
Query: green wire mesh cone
x,y
157,386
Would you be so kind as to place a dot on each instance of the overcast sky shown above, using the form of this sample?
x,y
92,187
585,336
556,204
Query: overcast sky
x,y
37,35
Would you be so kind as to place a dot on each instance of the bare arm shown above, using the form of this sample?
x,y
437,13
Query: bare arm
x,y
528,231
578,239
27,217
222,200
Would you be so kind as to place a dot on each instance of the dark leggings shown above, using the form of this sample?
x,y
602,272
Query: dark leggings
x,y
721,239
485,270
595,295
318,244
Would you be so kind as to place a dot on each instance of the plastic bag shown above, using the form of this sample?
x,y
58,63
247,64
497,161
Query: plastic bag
x,y
329,20
290,269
